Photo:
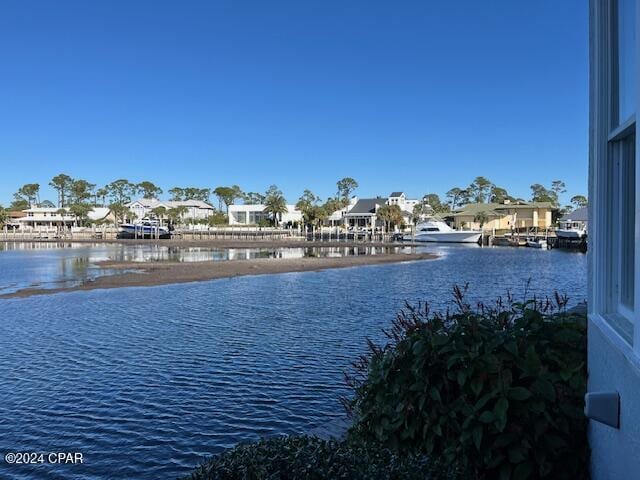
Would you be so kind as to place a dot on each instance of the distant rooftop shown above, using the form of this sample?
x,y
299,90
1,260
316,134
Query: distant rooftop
x,y
366,205
396,194
578,215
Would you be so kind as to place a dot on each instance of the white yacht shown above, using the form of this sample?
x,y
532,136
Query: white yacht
x,y
573,225
433,230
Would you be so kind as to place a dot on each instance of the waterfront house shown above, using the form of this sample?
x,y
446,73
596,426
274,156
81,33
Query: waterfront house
x,y
50,219
576,220
505,216
363,213
195,209
613,398
255,215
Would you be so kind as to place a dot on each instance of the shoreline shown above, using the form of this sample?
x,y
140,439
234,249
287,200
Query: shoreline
x,y
225,243
168,273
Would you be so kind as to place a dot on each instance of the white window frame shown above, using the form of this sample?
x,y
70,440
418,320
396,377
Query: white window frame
x,y
621,323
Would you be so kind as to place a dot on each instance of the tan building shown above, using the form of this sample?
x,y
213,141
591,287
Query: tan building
x,y
504,216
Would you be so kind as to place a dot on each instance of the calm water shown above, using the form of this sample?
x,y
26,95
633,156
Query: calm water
x,y
54,265
147,382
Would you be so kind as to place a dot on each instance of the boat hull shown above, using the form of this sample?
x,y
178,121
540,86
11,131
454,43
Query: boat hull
x,y
446,237
542,245
130,231
574,234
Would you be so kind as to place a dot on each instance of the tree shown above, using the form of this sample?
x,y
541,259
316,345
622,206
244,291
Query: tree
x,y
579,201
499,195
176,214
253,198
121,191
457,197
420,210
558,188
119,211
275,204
312,212
102,194
160,213
148,189
19,203
481,217
80,191
4,216
433,201
227,195
61,183
391,215
177,194
480,189
346,187
81,212
29,192
540,194
195,193
332,205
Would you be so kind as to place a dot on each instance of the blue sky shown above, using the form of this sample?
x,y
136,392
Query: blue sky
x,y
418,96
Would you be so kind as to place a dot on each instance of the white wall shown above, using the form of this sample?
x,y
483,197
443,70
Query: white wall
x,y
615,453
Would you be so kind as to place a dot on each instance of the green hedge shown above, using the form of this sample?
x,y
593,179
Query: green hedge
x,y
310,458
497,391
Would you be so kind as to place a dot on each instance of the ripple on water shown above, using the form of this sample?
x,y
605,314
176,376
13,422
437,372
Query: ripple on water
x,y
147,382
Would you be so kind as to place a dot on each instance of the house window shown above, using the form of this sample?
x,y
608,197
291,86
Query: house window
x,y
624,43
612,241
624,157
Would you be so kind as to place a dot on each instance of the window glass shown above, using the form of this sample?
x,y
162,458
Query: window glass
x,y
627,220
626,59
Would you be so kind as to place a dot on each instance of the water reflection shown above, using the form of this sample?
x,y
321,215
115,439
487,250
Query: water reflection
x,y
66,264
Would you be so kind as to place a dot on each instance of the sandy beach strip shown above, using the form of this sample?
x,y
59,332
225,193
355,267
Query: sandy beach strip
x,y
164,273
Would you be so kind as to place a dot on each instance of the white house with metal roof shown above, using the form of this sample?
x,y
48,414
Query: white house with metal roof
x,y
195,209
49,219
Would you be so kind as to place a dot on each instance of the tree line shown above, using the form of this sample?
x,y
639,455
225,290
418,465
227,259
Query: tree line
x,y
78,197
482,190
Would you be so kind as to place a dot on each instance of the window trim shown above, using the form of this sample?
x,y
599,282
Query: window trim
x,y
605,131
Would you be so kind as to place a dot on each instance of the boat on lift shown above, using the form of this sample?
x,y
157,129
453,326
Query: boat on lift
x,y
145,229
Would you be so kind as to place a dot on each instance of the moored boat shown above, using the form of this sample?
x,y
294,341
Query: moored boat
x,y
143,230
436,231
533,242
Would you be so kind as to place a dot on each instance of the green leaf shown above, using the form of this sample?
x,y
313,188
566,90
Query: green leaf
x,y
477,436
516,455
523,471
519,393
435,394
501,407
487,417
545,389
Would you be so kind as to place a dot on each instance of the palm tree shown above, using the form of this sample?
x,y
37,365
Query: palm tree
x,y
175,214
119,211
160,213
275,204
481,218
391,215
81,212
